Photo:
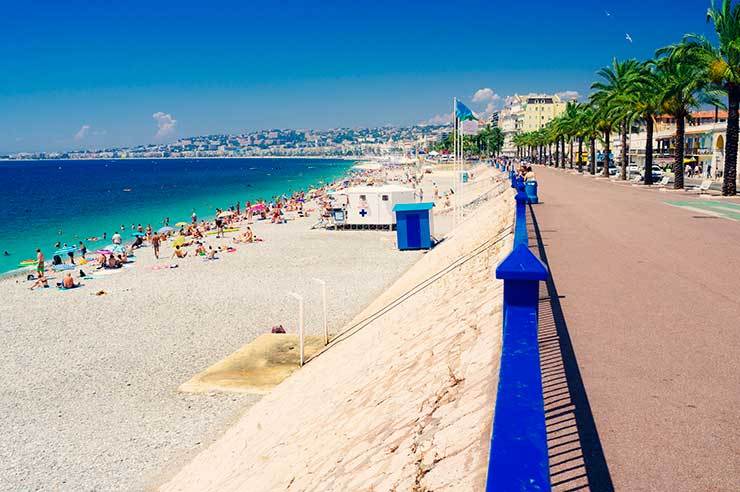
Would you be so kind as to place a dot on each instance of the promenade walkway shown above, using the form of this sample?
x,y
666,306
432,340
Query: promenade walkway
x,y
640,337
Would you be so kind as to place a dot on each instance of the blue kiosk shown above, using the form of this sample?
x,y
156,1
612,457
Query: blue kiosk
x,y
414,225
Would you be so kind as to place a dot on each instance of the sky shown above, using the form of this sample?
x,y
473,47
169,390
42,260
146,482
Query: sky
x,y
96,74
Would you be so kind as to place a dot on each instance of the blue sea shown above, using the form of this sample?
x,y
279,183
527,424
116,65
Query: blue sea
x,y
42,202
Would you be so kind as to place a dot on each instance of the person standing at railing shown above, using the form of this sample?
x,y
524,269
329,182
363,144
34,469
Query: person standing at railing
x,y
529,174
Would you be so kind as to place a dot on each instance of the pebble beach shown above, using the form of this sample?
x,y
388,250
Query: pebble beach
x,y
91,400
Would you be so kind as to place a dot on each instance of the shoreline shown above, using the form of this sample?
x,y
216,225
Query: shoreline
x,y
111,364
21,271
338,158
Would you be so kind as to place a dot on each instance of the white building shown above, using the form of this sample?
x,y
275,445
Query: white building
x,y
371,205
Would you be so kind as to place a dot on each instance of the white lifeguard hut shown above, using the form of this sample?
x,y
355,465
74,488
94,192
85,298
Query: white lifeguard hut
x,y
371,206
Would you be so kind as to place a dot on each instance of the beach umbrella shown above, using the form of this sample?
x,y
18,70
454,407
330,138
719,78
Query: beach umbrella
x,y
165,230
179,241
228,213
103,252
114,248
138,234
64,251
258,207
182,224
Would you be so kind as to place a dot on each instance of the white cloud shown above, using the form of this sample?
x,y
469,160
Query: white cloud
x,y
82,132
440,119
490,108
569,95
165,124
485,95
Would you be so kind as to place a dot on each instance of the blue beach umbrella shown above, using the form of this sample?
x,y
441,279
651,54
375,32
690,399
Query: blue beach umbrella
x,y
165,230
138,234
115,248
64,251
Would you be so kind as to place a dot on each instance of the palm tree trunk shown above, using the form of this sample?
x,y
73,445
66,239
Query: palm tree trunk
x,y
678,162
624,150
607,151
648,171
580,153
571,153
592,157
729,185
562,155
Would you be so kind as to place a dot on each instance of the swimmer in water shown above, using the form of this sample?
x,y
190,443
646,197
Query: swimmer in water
x,y
5,253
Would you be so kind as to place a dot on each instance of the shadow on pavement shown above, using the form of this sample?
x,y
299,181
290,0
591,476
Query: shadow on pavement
x,y
577,459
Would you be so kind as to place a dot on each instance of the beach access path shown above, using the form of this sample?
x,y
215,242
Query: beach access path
x,y
649,295
89,398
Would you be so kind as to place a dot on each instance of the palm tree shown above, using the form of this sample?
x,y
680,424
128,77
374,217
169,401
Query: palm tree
x,y
581,128
590,131
721,66
682,89
647,105
570,125
615,92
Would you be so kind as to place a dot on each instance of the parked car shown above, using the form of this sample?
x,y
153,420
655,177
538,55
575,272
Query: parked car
x,y
613,170
657,173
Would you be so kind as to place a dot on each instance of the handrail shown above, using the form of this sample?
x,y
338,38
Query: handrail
x,y
518,459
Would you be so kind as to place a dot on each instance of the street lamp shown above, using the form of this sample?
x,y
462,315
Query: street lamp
x,y
300,323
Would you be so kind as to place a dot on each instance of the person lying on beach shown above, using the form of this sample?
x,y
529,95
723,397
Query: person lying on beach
x,y
100,260
113,262
179,253
68,282
137,243
41,281
211,255
245,237
277,217
200,249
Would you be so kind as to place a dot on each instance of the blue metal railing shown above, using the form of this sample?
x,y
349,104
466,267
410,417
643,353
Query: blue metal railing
x,y
518,458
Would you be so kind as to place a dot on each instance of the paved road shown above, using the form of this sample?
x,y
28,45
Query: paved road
x,y
651,297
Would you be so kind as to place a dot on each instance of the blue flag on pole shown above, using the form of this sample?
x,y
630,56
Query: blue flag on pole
x,y
463,113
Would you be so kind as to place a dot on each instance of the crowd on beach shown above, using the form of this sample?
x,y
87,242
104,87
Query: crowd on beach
x,y
190,239
185,239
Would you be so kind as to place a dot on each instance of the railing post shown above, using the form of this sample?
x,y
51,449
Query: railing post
x,y
519,457
531,190
520,222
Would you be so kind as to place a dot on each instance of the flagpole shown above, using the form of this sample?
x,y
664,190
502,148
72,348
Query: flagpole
x,y
459,171
458,184
454,158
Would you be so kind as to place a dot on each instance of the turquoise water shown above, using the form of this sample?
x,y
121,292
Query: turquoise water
x,y
43,202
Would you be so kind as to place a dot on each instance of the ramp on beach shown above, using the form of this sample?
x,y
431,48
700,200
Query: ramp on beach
x,y
255,368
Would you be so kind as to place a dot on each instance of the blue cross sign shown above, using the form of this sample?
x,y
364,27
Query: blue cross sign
x,y
363,212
